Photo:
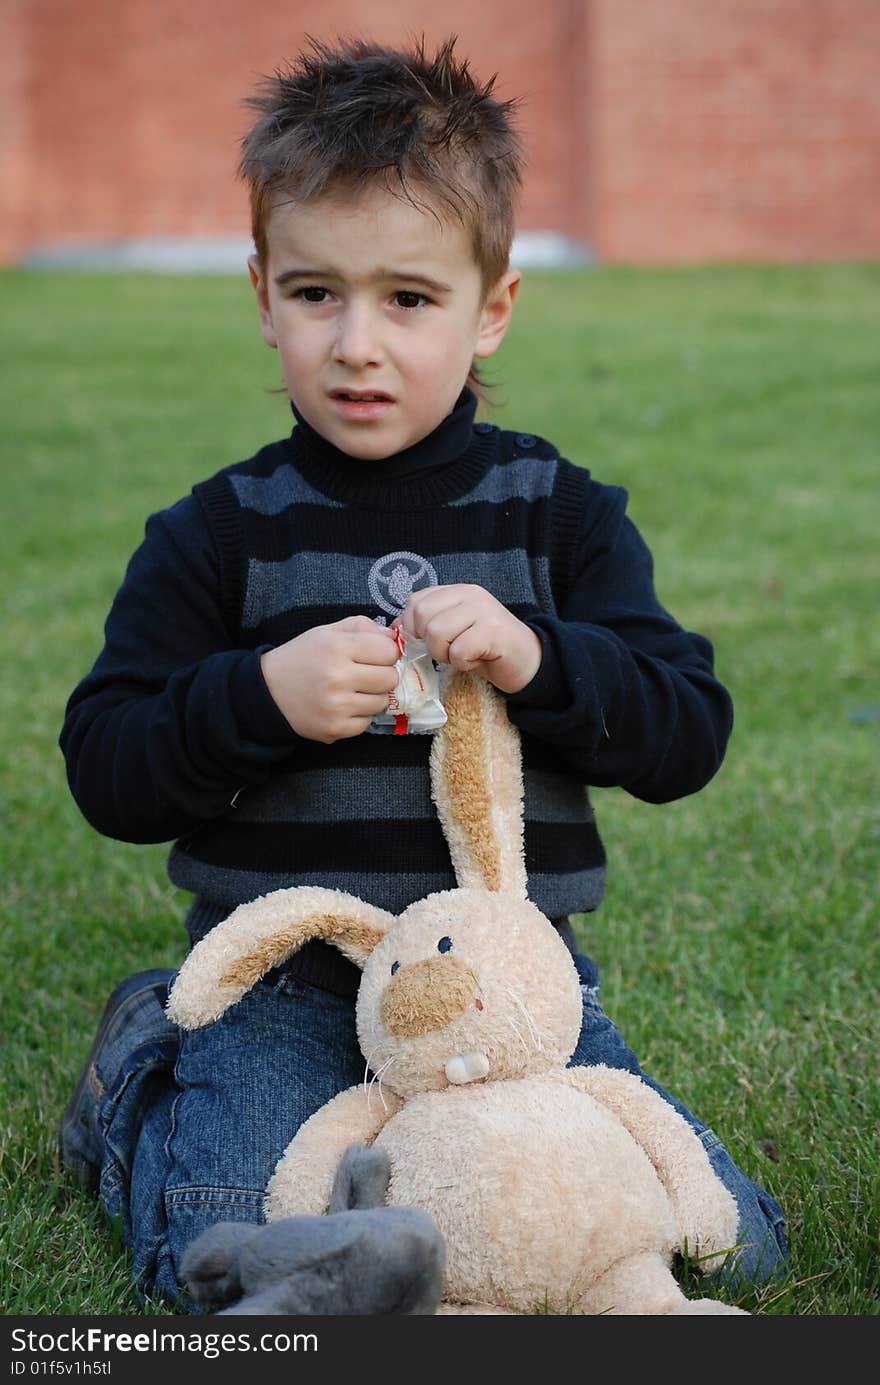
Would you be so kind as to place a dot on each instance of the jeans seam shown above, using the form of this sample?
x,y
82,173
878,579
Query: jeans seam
x,y
213,1196
111,1182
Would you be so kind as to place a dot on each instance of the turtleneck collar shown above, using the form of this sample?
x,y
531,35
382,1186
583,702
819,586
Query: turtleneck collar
x,y
438,467
448,440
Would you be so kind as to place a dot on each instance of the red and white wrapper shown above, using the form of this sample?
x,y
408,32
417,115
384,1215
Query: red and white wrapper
x,y
414,707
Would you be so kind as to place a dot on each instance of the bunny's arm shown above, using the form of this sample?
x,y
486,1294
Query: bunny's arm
x,y
706,1214
304,1174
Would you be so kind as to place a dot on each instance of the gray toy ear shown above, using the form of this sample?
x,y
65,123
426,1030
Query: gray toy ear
x,y
209,1267
361,1180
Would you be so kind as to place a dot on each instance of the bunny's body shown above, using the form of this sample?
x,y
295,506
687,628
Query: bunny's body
x,y
480,1167
555,1188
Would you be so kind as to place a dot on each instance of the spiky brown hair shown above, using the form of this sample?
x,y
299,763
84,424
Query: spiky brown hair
x,y
342,118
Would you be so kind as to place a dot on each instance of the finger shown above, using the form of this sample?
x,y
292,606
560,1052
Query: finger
x,y
353,624
374,648
366,704
344,730
356,714
444,628
423,605
375,682
470,648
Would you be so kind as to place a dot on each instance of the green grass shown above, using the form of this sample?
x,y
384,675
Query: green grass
x,y
738,941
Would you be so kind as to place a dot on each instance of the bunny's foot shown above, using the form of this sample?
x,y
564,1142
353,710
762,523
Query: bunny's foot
x,y
706,1306
643,1285
210,1265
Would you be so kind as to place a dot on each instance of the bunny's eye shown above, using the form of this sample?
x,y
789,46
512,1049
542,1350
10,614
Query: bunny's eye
x,y
444,945
394,967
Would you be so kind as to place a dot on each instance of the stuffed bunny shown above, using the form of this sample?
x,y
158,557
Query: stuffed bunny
x,y
560,1189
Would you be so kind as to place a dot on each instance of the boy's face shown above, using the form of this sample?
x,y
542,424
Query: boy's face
x,y
345,299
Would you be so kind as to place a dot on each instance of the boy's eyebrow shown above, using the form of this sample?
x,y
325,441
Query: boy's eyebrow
x,y
287,276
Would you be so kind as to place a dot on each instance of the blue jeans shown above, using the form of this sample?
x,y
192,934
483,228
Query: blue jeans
x,y
193,1123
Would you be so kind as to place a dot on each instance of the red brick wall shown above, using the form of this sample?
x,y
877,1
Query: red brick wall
x,y
735,129
14,131
657,130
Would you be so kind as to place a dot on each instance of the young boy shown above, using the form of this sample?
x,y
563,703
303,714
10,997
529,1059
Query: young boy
x,y
250,645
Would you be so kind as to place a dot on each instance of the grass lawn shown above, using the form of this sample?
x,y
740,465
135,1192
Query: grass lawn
x,y
738,940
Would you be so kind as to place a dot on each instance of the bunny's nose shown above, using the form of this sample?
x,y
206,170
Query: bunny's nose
x,y
428,995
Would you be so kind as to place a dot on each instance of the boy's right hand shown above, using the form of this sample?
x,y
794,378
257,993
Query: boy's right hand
x,y
332,680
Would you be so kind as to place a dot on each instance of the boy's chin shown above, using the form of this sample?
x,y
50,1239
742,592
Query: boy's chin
x,y
370,441
372,449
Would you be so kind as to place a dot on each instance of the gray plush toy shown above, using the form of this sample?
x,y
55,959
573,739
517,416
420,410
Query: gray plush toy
x,y
363,1258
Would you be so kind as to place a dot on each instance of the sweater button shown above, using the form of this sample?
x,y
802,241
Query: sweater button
x,y
483,427
525,440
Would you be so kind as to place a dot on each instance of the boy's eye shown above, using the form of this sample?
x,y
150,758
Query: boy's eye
x,y
410,294
310,288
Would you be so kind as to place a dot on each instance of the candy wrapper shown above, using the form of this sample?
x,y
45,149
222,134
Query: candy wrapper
x,y
415,708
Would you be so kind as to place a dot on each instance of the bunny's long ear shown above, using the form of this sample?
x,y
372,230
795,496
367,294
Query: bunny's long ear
x,y
477,786
263,934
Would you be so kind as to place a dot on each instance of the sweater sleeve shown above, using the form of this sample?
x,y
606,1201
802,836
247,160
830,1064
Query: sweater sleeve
x,y
627,695
173,719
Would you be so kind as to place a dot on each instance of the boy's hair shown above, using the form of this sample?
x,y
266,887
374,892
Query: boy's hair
x,y
344,118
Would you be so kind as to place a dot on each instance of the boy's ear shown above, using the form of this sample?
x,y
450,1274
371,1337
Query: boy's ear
x,y
261,289
497,312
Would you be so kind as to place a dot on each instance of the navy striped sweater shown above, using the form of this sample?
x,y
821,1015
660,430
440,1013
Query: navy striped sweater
x,y
173,735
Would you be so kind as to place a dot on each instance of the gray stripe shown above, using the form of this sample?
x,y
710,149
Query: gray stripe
x,y
555,895
553,797
233,887
578,892
328,579
269,495
368,795
525,478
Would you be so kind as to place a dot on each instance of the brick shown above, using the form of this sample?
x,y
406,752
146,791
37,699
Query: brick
x,y
660,132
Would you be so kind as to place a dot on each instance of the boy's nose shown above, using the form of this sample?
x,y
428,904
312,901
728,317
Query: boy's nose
x,y
356,341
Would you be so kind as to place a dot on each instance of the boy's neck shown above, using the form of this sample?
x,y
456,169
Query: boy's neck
x,y
443,444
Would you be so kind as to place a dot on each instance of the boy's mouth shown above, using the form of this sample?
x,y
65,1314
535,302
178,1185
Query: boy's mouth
x,y
362,396
362,404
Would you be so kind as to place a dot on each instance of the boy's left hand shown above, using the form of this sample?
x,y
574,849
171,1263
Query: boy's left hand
x,y
467,627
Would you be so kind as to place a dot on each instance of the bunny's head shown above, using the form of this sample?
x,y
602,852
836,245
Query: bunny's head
x,y
465,985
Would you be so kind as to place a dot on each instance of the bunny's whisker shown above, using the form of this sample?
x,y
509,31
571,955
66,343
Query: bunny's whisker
x,y
377,1077
515,1029
376,1052
534,1032
367,1070
369,1063
385,1067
